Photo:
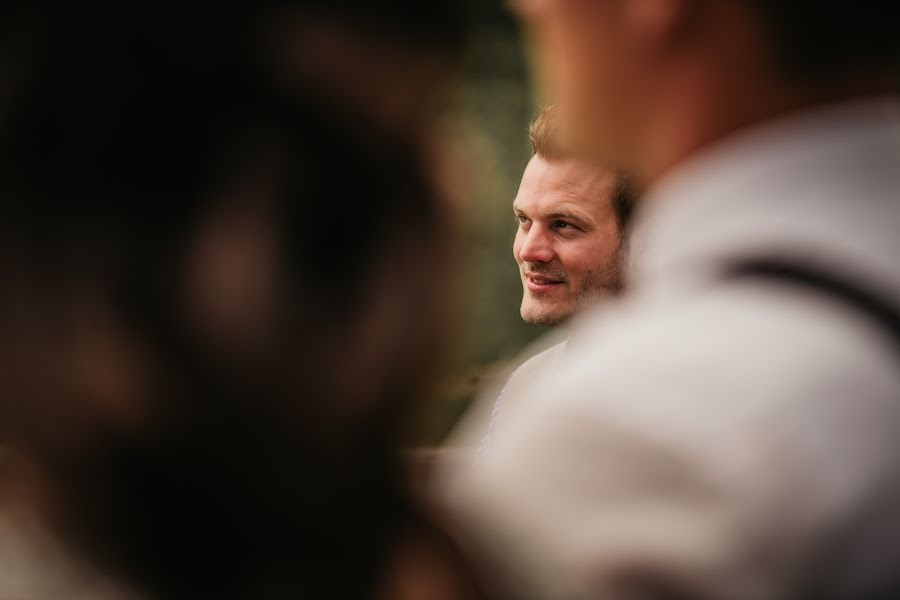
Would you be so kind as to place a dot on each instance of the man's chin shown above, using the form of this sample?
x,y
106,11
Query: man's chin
x,y
543,317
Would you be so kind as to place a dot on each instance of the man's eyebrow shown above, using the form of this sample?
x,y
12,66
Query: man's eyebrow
x,y
556,214
562,214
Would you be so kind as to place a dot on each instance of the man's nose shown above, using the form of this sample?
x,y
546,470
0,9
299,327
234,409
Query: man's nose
x,y
537,246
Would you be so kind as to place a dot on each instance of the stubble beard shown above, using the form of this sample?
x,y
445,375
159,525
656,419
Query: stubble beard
x,y
598,284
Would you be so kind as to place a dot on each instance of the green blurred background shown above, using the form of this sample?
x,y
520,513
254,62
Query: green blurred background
x,y
490,123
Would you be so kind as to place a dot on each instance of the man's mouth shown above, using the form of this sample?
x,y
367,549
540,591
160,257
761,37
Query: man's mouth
x,y
542,283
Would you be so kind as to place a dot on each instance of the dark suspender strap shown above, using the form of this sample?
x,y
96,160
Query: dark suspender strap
x,y
878,311
850,293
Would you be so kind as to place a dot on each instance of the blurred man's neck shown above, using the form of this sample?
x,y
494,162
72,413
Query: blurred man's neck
x,y
700,117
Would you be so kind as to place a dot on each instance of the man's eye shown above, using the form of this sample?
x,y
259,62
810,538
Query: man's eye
x,y
522,220
563,225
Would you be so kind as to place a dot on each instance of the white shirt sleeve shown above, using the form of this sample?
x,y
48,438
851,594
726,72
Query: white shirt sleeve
x,y
662,468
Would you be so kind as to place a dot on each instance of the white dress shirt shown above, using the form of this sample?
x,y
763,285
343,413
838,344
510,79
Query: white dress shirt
x,y
720,438
540,366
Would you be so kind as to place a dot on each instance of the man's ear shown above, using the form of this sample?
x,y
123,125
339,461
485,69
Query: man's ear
x,y
659,25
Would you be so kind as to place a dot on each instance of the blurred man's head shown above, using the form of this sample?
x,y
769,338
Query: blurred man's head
x,y
647,83
196,288
570,215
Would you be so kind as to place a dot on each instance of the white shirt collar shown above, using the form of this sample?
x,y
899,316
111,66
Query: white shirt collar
x,y
783,186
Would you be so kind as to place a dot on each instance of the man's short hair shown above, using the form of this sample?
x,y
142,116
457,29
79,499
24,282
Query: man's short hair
x,y
542,133
820,41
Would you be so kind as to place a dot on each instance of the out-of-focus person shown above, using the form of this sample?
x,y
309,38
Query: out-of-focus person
x,y
220,240
732,428
571,217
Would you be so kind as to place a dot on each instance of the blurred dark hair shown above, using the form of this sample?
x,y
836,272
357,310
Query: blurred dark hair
x,y
624,199
821,41
200,466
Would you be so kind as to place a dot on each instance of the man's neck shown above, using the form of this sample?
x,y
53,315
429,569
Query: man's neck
x,y
697,121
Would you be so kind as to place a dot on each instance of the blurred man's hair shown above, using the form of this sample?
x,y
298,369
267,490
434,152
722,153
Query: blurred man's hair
x,y
543,133
819,41
188,462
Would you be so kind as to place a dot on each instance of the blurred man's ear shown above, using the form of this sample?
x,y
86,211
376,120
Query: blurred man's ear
x,y
657,25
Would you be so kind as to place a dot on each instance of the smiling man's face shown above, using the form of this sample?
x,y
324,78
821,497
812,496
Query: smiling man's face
x,y
568,242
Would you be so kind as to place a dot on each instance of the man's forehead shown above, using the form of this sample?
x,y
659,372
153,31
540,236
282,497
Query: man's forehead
x,y
564,184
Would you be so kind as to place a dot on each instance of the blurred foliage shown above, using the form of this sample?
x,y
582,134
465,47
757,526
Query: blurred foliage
x,y
495,105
